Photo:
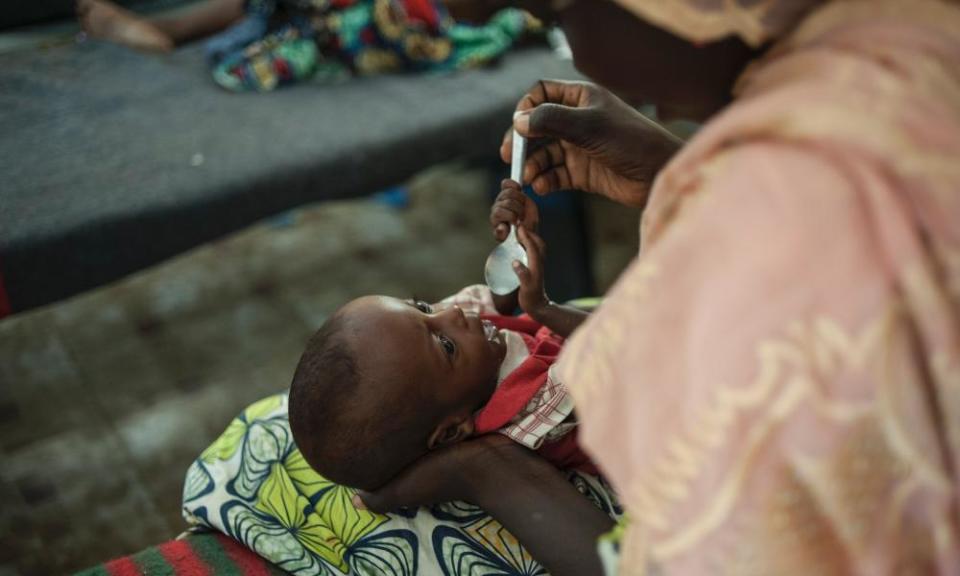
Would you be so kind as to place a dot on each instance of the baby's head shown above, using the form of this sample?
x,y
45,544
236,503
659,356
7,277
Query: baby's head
x,y
386,380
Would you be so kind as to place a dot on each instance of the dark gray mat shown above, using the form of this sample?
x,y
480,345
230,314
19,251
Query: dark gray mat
x,y
17,13
113,160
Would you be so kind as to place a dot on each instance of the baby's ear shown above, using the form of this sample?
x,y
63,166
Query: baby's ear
x,y
451,430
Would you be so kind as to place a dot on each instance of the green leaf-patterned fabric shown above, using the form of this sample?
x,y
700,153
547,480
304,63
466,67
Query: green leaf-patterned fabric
x,y
253,485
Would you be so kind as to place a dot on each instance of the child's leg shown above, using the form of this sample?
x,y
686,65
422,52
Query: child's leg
x,y
205,19
104,19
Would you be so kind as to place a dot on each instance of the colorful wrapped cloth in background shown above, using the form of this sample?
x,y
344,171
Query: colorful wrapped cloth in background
x,y
285,41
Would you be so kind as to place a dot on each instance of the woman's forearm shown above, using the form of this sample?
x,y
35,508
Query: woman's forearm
x,y
555,523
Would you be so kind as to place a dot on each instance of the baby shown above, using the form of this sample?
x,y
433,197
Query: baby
x,y
385,381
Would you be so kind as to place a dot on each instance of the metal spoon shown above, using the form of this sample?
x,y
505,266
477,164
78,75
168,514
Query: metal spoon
x,y
498,271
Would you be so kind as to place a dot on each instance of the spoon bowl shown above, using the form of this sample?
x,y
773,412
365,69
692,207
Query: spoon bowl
x,y
498,271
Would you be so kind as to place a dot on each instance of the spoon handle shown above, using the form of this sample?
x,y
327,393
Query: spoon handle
x,y
518,157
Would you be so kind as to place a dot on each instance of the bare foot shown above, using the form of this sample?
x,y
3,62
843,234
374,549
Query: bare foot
x,y
104,19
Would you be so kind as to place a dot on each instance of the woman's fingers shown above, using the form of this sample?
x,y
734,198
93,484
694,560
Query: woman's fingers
x,y
566,92
539,93
554,179
575,125
563,93
543,159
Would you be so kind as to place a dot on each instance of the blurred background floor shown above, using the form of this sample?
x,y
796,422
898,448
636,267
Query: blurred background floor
x,y
106,398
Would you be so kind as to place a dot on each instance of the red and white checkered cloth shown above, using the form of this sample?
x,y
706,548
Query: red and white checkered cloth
x,y
547,416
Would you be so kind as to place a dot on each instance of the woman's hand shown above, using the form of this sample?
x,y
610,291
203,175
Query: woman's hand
x,y
592,141
454,473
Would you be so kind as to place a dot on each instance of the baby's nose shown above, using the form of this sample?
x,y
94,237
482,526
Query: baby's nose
x,y
457,315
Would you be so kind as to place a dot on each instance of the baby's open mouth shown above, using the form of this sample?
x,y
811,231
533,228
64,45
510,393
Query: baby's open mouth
x,y
489,330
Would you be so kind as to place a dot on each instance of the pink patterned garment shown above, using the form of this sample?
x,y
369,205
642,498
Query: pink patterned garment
x,y
773,386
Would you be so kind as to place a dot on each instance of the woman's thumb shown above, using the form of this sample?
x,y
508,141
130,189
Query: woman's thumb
x,y
556,121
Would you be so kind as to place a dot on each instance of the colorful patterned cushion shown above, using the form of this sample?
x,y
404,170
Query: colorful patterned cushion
x,y
253,485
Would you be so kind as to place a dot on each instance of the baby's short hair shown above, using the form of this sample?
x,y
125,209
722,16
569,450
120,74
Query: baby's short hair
x,y
339,428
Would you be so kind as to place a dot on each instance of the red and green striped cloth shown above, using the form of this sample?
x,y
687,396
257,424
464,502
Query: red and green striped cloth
x,y
206,554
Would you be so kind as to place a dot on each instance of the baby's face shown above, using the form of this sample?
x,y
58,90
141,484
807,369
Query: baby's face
x,y
449,358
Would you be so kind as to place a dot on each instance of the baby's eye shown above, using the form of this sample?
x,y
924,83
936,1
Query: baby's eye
x,y
423,306
449,346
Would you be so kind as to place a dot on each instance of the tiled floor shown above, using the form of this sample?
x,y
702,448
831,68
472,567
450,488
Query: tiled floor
x,y
106,398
